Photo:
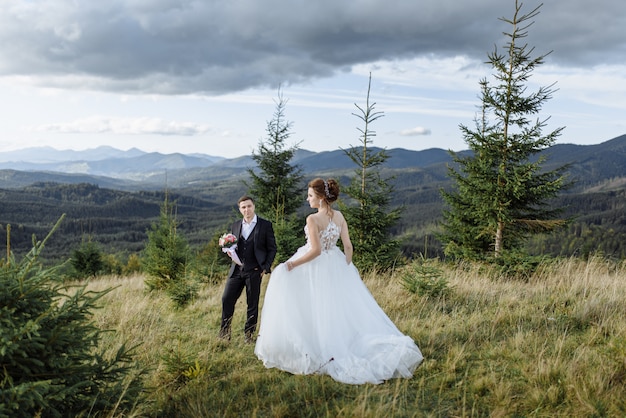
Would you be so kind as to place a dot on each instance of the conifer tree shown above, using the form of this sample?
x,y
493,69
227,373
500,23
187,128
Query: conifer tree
x,y
87,260
371,218
502,190
277,185
51,364
166,257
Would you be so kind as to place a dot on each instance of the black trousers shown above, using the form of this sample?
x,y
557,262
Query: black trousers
x,y
251,281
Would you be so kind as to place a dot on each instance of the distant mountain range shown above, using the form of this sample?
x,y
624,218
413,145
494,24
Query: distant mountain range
x,y
113,196
49,155
133,164
590,165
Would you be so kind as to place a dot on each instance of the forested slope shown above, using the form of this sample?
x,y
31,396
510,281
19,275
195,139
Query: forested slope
x,y
117,214
117,220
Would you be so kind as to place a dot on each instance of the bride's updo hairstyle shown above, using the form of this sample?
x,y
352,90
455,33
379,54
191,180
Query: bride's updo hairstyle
x,y
326,189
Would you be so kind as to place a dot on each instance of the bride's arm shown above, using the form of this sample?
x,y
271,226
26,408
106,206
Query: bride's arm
x,y
345,240
314,243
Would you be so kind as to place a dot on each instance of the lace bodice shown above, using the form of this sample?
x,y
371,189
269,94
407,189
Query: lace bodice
x,y
328,236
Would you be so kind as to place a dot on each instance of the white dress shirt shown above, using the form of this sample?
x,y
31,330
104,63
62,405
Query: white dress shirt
x,y
246,228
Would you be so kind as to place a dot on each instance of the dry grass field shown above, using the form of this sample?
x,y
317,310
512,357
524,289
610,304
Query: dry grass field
x,y
551,346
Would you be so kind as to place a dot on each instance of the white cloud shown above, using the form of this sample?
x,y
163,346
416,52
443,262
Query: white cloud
x,y
417,131
126,126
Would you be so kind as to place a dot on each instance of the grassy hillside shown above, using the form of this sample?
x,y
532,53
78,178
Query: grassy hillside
x,y
554,346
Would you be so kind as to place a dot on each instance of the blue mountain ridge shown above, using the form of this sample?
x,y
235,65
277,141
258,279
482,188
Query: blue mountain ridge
x,y
587,162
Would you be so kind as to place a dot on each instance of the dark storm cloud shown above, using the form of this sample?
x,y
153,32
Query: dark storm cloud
x,y
218,46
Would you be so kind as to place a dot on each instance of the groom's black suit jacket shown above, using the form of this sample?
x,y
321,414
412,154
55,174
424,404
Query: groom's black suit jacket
x,y
264,243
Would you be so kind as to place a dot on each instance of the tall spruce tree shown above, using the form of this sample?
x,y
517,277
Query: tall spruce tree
x,y
371,218
277,184
502,189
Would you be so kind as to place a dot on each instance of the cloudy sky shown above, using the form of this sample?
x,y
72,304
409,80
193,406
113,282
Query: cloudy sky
x,y
203,75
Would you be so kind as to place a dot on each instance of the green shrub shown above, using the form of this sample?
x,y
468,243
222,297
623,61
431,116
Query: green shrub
x,y
87,260
211,264
516,265
111,264
182,292
132,266
425,279
289,237
179,366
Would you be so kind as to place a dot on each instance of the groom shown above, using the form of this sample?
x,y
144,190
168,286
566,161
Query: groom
x,y
256,248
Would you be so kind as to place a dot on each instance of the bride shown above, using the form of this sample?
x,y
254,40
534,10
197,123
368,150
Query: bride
x,y
319,318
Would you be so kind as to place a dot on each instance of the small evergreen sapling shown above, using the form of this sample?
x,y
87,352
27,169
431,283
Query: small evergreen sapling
x,y
50,363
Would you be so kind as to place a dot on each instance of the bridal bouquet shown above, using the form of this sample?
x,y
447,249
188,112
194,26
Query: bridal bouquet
x,y
228,242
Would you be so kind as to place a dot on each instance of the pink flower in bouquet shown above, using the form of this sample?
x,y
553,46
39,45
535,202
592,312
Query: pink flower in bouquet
x,y
227,241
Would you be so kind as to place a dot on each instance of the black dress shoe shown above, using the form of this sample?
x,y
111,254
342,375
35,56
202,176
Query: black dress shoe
x,y
224,334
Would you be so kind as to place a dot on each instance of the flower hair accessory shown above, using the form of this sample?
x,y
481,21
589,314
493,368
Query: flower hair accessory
x,y
326,190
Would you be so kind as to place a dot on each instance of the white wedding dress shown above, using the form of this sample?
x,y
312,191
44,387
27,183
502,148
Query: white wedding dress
x,y
321,318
